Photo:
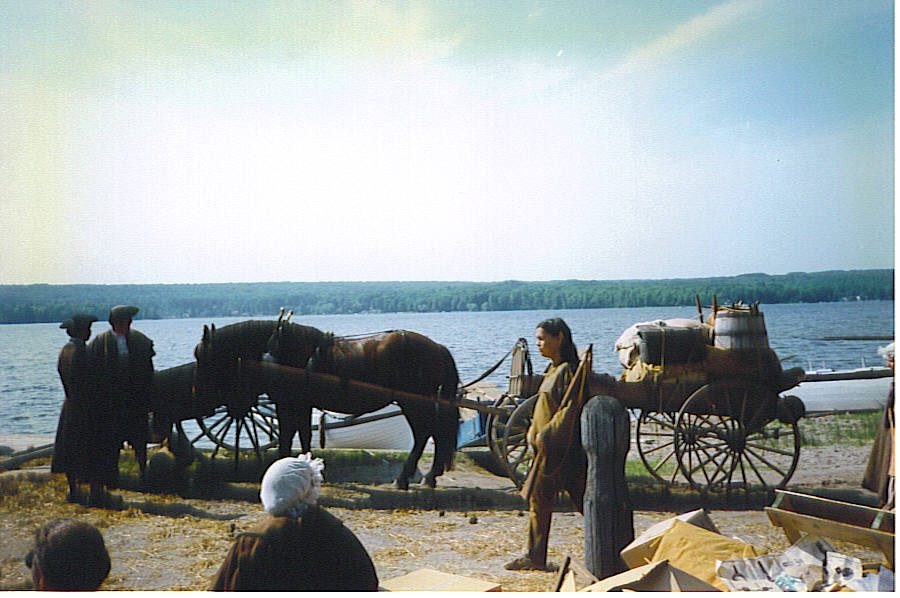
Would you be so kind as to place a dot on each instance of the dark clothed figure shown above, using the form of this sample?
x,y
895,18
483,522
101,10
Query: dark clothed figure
x,y
68,555
74,434
879,474
880,468
313,553
122,363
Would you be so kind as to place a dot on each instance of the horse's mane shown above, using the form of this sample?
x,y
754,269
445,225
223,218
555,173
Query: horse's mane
x,y
306,335
247,338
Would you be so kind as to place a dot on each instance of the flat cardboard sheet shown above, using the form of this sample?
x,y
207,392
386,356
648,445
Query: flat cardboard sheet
x,y
655,577
430,580
696,550
640,551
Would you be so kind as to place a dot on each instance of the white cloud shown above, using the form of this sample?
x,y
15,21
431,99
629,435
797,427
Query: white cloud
x,y
681,38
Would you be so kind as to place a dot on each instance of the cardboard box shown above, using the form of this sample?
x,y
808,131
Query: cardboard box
x,y
696,550
640,551
429,580
655,577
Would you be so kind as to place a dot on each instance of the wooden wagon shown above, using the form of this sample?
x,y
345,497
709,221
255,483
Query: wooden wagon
x,y
718,420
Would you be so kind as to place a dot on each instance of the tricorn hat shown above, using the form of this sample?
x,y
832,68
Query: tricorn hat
x,y
121,313
79,322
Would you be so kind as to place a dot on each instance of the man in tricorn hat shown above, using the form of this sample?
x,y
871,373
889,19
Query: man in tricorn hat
x,y
74,434
123,358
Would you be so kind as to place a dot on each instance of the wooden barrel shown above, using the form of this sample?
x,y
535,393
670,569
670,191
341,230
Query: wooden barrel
x,y
741,329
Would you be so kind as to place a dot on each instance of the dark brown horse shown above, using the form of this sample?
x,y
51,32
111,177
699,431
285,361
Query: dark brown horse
x,y
174,400
217,354
397,359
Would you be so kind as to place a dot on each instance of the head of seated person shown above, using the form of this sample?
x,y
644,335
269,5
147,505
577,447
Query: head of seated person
x,y
68,555
291,485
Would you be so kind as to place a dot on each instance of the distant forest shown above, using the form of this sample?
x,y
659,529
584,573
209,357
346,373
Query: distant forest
x,y
55,303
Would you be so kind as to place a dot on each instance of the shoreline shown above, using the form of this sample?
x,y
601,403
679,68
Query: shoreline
x,y
22,442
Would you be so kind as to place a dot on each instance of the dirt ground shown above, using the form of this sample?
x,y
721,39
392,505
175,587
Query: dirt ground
x,y
471,525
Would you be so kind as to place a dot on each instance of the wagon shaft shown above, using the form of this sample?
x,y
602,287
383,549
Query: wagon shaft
x,y
289,378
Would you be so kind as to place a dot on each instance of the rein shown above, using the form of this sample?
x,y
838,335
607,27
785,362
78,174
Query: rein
x,y
496,365
490,371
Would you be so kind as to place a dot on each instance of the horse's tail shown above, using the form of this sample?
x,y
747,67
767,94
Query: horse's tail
x,y
447,424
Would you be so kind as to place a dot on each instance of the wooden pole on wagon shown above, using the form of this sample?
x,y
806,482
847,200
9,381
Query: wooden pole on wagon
x,y
608,517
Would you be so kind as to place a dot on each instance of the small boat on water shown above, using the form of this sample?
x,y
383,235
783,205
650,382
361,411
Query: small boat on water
x,y
385,429
856,390
862,373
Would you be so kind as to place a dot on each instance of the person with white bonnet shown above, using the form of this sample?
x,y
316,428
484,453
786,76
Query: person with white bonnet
x,y
879,475
300,546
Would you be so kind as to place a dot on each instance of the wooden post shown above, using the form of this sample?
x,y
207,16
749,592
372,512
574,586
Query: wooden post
x,y
608,520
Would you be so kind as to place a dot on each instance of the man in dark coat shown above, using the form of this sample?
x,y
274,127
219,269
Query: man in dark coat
x,y
122,359
74,434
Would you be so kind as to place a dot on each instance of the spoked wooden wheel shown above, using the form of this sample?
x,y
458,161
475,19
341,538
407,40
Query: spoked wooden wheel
x,y
655,437
251,427
496,427
517,455
727,437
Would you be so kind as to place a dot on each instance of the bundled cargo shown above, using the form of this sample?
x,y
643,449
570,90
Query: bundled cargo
x,y
732,343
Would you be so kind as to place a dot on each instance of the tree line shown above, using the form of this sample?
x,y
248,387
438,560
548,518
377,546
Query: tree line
x,y
54,303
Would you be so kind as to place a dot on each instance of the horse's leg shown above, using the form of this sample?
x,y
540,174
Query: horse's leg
x,y
139,446
444,445
288,414
304,428
420,437
437,465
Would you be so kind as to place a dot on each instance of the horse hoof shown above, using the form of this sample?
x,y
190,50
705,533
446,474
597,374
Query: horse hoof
x,y
401,484
430,482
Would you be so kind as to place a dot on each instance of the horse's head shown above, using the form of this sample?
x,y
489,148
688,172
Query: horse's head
x,y
213,367
294,345
218,378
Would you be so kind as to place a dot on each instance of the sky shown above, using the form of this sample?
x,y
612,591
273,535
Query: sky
x,y
215,141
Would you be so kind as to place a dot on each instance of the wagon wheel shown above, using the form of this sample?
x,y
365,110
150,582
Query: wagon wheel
x,y
726,437
496,426
655,437
517,455
236,429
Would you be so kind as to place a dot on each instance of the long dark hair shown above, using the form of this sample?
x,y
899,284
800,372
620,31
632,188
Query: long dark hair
x,y
567,348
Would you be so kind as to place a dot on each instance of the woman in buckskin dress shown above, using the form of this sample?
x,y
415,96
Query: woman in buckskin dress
x,y
554,341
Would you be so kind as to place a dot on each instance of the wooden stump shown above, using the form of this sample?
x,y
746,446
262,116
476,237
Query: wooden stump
x,y
608,519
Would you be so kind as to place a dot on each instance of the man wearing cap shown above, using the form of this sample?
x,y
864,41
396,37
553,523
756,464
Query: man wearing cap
x,y
123,361
301,547
73,434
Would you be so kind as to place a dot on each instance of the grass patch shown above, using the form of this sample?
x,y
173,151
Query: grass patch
x,y
847,429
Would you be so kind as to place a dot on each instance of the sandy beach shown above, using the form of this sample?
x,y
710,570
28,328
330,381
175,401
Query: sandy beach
x,y
471,525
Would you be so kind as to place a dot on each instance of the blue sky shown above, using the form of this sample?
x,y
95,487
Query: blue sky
x,y
162,142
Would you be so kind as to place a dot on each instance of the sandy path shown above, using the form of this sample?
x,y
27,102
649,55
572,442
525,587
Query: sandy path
x,y
170,543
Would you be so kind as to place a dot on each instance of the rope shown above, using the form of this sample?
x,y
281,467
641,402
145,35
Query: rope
x,y
490,371
365,334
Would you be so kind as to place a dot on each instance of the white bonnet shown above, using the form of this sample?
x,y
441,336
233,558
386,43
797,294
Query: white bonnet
x,y
290,484
887,351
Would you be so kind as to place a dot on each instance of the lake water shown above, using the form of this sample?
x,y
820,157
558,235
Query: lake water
x,y
31,393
